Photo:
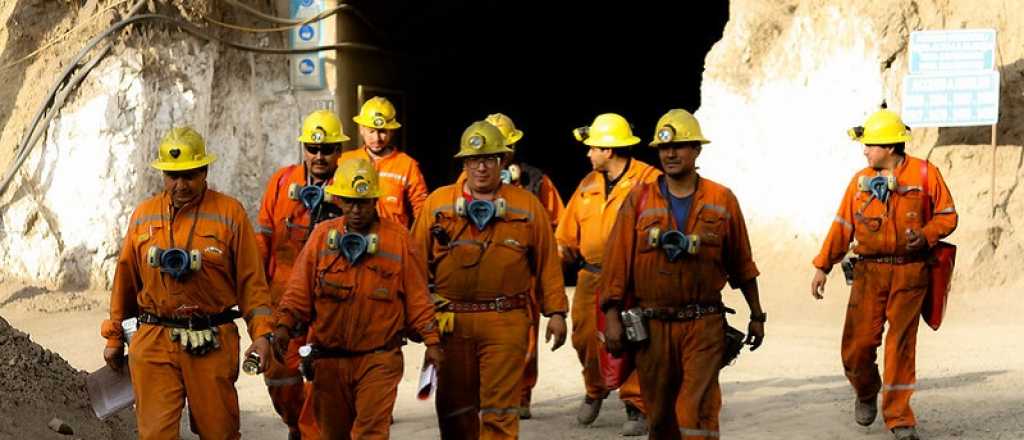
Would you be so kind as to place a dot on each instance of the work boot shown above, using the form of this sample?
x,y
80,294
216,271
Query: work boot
x,y
905,433
524,412
865,411
636,423
589,409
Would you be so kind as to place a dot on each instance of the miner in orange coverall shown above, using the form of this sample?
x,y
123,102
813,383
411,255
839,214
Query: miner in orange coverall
x,y
535,181
491,255
357,285
402,184
293,204
581,234
675,244
189,258
893,212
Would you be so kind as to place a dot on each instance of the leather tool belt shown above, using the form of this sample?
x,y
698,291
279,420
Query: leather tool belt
x,y
686,313
194,322
499,304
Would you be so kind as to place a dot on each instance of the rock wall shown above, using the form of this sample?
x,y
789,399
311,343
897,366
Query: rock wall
x,y
787,80
61,227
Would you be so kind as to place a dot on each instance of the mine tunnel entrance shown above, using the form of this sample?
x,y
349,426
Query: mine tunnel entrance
x,y
550,68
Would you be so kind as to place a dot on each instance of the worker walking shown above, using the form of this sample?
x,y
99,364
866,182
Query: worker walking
x,y
294,202
358,286
675,244
491,255
402,184
532,179
893,212
582,233
189,258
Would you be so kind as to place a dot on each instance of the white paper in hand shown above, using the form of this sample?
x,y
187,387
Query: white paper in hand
x,y
428,381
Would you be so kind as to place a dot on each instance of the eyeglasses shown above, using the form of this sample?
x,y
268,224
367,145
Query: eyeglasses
x,y
323,149
486,161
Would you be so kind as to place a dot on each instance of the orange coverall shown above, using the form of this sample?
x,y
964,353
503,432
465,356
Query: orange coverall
x,y
363,309
479,391
282,228
163,374
681,357
552,202
401,182
884,292
585,226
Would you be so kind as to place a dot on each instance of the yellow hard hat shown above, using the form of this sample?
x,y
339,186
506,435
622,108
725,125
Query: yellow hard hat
x,y
609,130
481,139
678,125
883,127
322,127
507,127
182,149
378,113
355,179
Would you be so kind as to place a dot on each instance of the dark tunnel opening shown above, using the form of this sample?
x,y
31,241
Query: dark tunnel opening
x,y
550,68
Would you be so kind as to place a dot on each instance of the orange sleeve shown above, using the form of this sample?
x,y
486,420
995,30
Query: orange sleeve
x,y
618,253
416,190
551,200
943,216
124,294
419,311
568,231
547,267
840,234
736,255
250,282
420,236
296,305
265,223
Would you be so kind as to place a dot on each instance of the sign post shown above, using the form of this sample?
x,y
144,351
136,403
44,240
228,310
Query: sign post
x,y
953,82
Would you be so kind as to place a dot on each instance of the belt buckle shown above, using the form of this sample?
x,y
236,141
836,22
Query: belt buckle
x,y
500,304
698,311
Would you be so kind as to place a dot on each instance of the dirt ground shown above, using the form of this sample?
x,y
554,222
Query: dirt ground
x,y
969,373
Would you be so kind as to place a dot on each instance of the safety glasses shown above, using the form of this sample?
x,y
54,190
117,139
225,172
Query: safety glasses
x,y
322,149
487,161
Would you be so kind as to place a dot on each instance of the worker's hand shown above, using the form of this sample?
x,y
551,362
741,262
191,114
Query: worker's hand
x,y
556,328
434,356
262,347
613,332
569,255
755,335
114,357
281,340
915,240
818,284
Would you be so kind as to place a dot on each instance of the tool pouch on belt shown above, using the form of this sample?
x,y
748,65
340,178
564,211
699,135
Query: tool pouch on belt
x,y
847,266
733,341
634,325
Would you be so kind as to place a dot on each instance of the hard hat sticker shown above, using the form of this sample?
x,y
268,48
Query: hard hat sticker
x,y
174,152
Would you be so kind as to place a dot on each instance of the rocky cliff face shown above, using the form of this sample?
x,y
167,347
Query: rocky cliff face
x,y
787,80
62,221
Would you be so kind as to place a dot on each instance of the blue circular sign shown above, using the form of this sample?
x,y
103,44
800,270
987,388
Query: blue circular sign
x,y
306,66
306,32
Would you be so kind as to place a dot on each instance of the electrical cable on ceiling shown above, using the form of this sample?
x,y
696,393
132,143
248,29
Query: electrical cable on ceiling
x,y
275,19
